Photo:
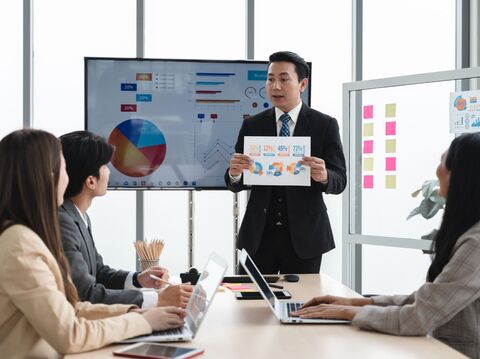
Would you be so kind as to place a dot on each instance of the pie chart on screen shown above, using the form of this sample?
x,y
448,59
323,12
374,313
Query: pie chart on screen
x,y
140,147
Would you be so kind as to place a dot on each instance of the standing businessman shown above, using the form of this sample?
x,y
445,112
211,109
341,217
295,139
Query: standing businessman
x,y
286,228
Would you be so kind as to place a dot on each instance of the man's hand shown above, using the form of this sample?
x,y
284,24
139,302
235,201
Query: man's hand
x,y
318,170
239,163
148,282
176,295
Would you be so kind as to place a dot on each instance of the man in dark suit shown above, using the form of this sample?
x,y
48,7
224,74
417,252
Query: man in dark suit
x,y
86,156
286,228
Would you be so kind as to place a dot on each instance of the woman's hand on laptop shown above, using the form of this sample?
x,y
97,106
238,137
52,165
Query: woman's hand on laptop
x,y
331,299
176,295
164,318
327,311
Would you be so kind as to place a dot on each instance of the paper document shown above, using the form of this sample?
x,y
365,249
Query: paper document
x,y
465,111
275,161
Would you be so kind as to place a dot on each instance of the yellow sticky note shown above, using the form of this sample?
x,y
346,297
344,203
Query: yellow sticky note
x,y
368,164
368,129
390,146
390,109
390,181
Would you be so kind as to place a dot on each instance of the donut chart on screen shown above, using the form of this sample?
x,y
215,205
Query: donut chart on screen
x,y
140,147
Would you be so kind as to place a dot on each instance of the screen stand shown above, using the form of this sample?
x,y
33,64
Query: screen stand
x,y
139,224
236,211
191,213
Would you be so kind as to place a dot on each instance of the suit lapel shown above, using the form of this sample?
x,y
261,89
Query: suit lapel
x,y
303,122
269,125
86,236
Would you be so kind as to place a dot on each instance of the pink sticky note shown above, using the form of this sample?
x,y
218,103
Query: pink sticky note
x,y
391,163
391,128
368,111
368,181
368,146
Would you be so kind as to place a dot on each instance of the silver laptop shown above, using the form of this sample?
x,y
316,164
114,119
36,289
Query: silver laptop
x,y
197,306
280,308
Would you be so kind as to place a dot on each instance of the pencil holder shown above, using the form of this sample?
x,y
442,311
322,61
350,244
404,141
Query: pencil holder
x,y
149,252
145,264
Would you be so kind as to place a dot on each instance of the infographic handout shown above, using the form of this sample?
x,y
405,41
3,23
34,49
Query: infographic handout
x,y
464,111
276,161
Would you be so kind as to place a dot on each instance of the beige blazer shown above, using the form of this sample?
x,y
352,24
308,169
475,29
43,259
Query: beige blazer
x,y
448,307
36,320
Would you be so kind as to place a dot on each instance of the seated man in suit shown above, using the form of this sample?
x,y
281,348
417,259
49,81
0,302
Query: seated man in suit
x,y
86,156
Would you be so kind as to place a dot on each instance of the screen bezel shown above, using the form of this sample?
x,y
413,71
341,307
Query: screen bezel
x,y
219,261
153,188
251,268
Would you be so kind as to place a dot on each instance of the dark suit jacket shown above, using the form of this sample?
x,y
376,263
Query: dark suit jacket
x,y
95,281
310,229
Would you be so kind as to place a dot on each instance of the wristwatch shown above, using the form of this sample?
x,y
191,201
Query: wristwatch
x,y
135,281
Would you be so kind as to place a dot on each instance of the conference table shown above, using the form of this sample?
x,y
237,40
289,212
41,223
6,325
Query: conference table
x,y
248,329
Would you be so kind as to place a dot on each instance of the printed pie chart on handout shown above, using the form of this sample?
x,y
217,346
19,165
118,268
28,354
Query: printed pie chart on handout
x,y
140,147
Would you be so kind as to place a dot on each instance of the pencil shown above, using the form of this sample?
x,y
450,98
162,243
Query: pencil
x,y
160,279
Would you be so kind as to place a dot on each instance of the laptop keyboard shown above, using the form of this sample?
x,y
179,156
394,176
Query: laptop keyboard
x,y
176,331
293,307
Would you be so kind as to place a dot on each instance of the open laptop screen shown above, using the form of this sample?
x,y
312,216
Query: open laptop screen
x,y
204,291
251,268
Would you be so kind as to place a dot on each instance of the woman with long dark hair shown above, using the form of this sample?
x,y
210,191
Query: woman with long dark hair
x,y
40,315
448,304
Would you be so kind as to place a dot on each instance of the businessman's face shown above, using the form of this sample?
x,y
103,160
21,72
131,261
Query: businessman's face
x,y
283,87
101,183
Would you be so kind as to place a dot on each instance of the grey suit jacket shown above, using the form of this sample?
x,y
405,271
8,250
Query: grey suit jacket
x,y
448,307
95,281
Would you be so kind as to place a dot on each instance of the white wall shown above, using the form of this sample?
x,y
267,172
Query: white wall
x,y
11,67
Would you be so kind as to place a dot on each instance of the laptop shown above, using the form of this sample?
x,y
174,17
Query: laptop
x,y
281,309
197,306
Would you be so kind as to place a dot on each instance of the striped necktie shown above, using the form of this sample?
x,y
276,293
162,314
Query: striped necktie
x,y
285,130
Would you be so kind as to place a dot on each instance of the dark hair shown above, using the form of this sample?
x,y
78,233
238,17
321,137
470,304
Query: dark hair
x,y
84,154
30,170
301,67
461,207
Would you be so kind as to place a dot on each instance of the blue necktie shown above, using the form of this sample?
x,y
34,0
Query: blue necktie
x,y
285,130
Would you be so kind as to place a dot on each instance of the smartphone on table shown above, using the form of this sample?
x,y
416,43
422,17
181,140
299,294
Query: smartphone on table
x,y
280,294
157,351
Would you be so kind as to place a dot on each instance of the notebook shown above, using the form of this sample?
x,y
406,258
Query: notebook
x,y
281,309
197,306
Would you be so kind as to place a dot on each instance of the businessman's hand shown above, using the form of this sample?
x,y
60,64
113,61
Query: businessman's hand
x,y
148,282
318,169
331,299
177,295
238,163
164,318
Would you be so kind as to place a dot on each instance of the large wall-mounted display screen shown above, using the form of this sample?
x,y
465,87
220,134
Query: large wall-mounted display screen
x,y
174,123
